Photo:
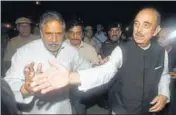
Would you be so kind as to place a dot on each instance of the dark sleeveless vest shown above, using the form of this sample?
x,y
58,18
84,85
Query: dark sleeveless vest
x,y
136,82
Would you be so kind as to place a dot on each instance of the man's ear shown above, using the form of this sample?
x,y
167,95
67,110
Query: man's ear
x,y
158,29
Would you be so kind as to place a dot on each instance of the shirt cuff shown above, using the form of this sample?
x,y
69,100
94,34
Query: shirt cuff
x,y
82,86
20,99
165,92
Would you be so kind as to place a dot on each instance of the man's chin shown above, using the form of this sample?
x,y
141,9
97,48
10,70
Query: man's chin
x,y
52,49
75,42
140,41
25,35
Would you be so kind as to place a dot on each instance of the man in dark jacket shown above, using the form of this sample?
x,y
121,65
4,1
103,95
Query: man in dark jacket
x,y
115,37
8,103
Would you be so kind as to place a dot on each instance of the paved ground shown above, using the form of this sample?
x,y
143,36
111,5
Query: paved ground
x,y
97,110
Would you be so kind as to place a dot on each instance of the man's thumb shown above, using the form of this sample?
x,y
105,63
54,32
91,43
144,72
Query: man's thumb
x,y
99,57
154,100
39,68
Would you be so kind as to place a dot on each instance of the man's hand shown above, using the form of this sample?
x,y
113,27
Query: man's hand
x,y
173,75
158,103
55,78
102,61
29,74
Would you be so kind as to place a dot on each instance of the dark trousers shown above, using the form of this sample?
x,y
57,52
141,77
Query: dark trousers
x,y
172,105
80,104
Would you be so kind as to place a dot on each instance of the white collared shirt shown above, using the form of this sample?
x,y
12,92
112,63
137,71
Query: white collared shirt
x,y
51,103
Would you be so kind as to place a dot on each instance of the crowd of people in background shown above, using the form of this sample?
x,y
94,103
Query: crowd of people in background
x,y
84,47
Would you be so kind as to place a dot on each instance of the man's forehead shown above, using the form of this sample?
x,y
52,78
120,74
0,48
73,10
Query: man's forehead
x,y
76,28
53,25
115,28
147,15
24,24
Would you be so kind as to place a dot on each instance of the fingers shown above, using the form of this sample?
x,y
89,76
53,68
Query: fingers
x,y
38,80
41,87
99,57
174,77
154,100
26,72
46,90
31,67
106,59
159,102
102,61
172,73
156,107
29,70
39,68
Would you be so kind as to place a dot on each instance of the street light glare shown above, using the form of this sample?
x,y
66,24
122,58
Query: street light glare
x,y
172,35
37,3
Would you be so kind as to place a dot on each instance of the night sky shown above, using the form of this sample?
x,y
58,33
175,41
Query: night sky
x,y
90,12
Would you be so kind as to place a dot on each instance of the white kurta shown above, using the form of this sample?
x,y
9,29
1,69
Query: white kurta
x,y
56,102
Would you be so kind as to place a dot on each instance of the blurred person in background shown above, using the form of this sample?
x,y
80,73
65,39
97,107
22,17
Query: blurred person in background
x,y
24,36
114,38
4,40
36,30
88,36
168,43
87,51
100,37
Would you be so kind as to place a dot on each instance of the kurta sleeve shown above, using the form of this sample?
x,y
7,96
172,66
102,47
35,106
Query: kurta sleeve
x,y
101,74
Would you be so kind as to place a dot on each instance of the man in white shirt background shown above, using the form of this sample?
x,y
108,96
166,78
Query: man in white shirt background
x,y
143,82
75,38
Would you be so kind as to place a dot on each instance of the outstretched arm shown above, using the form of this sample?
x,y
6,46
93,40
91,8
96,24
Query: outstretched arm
x,y
59,76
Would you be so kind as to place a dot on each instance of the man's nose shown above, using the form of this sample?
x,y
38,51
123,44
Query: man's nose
x,y
54,38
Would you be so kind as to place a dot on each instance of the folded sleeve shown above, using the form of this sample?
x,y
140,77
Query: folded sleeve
x,y
163,88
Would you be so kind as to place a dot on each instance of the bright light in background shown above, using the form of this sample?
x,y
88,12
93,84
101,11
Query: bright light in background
x,y
37,2
172,35
8,26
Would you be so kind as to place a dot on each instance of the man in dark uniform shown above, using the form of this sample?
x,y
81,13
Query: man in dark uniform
x,y
115,38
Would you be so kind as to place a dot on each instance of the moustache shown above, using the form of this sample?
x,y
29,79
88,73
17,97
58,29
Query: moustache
x,y
114,36
75,39
54,44
139,34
